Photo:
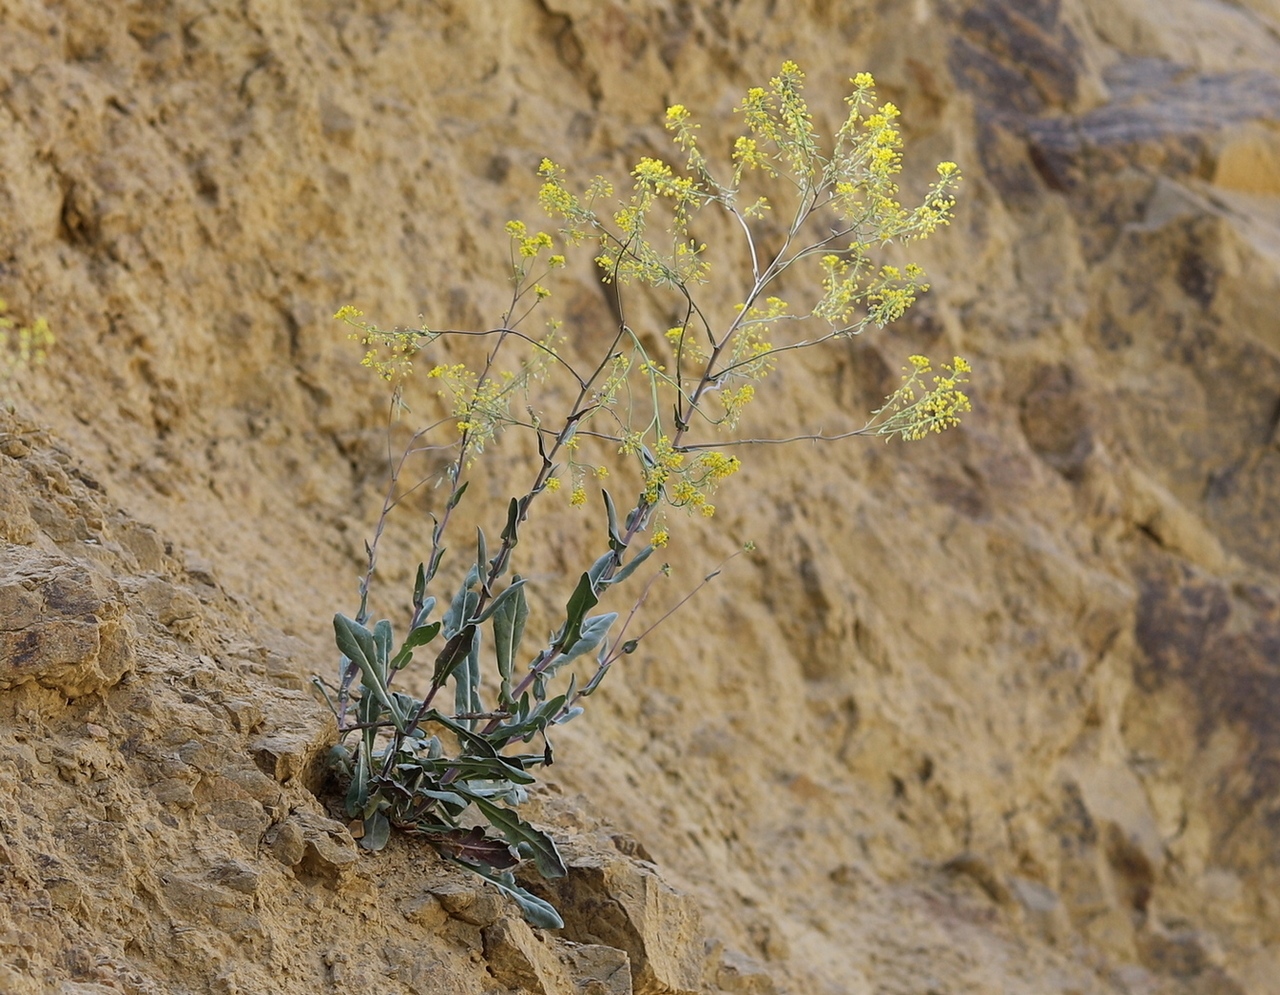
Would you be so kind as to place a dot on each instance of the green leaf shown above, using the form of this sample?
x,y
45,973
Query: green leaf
x,y
515,830
509,617
473,742
462,683
593,631
495,769
482,552
377,830
469,847
630,567
602,564
420,636
583,599
419,588
538,913
463,603
473,665
356,642
497,602
383,636
525,726
615,540
457,495
358,793
421,611
447,797
455,652
467,692
510,534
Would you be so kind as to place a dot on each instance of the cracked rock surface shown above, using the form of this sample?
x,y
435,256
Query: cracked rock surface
x,y
990,713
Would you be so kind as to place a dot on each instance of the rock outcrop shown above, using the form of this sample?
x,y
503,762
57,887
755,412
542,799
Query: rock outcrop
x,y
994,712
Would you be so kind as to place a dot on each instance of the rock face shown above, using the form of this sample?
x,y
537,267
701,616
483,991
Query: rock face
x,y
994,712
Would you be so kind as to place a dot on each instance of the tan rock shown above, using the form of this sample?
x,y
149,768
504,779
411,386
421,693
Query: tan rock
x,y
520,960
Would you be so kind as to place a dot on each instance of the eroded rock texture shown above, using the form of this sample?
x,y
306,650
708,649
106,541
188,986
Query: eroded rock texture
x,y
994,712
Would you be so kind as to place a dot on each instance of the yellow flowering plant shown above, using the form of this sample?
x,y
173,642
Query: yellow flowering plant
x,y
21,346
418,765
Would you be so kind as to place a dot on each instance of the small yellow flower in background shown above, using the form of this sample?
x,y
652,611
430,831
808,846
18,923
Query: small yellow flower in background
x,y
579,496
661,538
30,348
553,484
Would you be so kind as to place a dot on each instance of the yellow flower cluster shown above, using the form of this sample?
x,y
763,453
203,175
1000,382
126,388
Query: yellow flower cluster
x,y
30,348
889,299
922,405
527,245
687,347
388,353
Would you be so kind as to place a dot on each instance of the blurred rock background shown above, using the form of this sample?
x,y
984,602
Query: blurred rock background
x,y
992,712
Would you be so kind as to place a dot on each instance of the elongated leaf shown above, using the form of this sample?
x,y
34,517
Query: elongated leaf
x,y
463,602
419,588
615,540
535,721
454,653
606,562
447,797
498,602
453,501
594,629
383,636
350,633
462,683
511,534
473,666
516,831
491,763
470,847
421,611
629,568
358,793
535,910
478,769
357,642
510,611
583,599
467,691
482,552
377,830
420,636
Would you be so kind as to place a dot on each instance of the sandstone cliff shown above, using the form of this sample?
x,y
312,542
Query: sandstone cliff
x,y
993,712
